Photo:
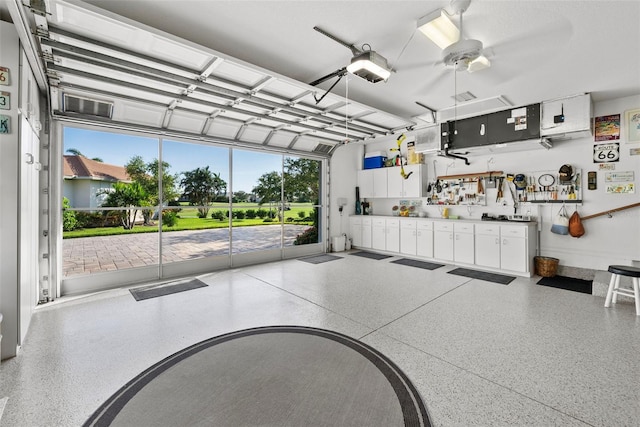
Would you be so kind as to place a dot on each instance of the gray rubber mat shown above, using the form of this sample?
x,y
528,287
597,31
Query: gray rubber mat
x,y
319,259
370,255
163,289
415,263
483,275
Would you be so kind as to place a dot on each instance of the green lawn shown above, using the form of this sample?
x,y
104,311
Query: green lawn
x,y
188,220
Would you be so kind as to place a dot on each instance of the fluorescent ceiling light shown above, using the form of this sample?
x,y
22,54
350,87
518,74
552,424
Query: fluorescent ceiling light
x,y
439,28
370,66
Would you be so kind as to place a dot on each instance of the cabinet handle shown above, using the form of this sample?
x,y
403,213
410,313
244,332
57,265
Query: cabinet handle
x,y
482,130
497,241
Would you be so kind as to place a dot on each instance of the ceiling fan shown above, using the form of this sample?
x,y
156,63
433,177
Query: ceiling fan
x,y
458,52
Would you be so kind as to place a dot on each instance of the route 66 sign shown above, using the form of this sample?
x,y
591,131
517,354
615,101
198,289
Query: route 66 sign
x,y
605,153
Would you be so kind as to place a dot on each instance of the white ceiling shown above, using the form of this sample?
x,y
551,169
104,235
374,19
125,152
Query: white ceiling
x,y
268,50
539,49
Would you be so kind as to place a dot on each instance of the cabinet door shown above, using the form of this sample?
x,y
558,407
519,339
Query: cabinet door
x,y
394,182
576,111
392,243
379,182
378,234
443,245
365,182
487,244
366,233
513,254
517,124
464,248
488,250
424,241
355,230
471,132
412,186
408,237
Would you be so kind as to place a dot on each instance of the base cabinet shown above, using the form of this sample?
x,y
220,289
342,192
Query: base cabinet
x,y
488,245
463,243
408,237
366,232
514,248
443,241
355,230
424,240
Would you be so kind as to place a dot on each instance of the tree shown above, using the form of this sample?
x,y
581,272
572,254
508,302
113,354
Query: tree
x,y
269,189
129,196
147,175
77,152
301,179
200,187
240,196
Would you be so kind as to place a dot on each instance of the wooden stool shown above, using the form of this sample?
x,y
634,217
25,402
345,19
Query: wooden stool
x,y
614,285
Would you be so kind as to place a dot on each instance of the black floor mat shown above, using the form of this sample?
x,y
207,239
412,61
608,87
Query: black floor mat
x,y
483,275
319,259
416,263
166,289
567,283
371,255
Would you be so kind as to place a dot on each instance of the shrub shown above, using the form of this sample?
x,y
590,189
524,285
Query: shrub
x,y
69,220
176,204
169,218
251,213
302,214
239,214
219,215
289,219
310,235
261,213
267,220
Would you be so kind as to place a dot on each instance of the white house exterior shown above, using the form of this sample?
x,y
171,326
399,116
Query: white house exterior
x,y
85,179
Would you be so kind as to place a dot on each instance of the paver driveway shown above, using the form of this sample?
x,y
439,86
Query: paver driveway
x,y
107,253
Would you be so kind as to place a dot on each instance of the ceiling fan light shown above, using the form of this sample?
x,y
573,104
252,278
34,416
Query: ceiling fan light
x,y
439,28
370,66
480,63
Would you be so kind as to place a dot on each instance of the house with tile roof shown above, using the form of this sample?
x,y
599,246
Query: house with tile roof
x,y
84,180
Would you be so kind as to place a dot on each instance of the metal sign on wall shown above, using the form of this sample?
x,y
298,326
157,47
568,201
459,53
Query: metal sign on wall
x,y
605,153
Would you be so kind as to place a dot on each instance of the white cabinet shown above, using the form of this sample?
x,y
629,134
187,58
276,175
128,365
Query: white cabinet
x,y
443,240
366,232
487,245
424,241
392,238
373,183
514,248
378,234
397,186
463,245
408,236
355,230
577,111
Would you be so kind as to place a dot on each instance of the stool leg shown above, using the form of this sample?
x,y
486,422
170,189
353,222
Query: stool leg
x,y
615,289
636,293
612,282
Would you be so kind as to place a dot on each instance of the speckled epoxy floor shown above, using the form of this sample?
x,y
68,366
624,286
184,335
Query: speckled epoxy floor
x,y
480,353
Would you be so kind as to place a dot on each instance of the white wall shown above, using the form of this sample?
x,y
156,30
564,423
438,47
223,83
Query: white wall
x,y
607,240
9,175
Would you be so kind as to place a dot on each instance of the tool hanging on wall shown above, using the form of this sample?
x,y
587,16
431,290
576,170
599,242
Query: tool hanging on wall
x,y
400,140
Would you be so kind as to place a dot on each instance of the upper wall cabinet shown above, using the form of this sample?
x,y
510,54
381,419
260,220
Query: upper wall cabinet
x,y
515,124
567,118
398,186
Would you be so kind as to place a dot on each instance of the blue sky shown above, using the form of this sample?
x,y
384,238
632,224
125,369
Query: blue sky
x,y
118,149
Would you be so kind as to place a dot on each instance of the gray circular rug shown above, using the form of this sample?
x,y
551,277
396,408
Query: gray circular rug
x,y
269,376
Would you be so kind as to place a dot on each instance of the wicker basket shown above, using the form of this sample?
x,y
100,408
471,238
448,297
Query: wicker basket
x,y
546,266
